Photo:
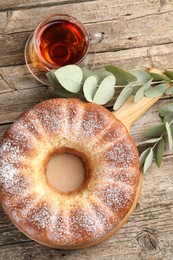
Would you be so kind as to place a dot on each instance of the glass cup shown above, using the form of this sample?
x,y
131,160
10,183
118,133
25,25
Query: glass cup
x,y
57,41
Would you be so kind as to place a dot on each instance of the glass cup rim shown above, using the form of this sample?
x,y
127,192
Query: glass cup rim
x,y
50,18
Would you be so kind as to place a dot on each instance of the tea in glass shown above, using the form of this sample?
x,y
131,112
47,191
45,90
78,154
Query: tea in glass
x,y
61,42
57,41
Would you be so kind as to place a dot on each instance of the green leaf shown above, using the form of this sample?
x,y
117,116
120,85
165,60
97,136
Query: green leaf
x,y
148,160
143,156
87,73
169,74
166,110
170,140
155,131
52,79
156,91
158,77
58,89
159,151
124,95
141,75
169,119
101,74
140,93
105,91
122,77
150,141
135,89
169,91
90,88
70,77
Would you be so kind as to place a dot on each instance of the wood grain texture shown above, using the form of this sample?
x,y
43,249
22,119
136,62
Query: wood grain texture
x,y
136,34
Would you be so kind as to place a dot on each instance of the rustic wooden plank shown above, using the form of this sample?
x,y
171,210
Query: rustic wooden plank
x,y
4,85
136,32
126,58
3,20
147,235
23,4
12,104
12,48
145,57
122,34
92,11
18,77
138,57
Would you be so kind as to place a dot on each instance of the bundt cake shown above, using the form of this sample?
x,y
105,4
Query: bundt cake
x,y
111,188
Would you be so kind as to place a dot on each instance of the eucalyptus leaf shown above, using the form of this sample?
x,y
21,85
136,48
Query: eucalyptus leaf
x,y
159,151
124,95
140,93
155,131
52,79
169,91
166,110
87,73
150,141
143,156
169,119
156,91
90,88
159,77
122,77
141,75
170,139
58,89
169,74
148,160
101,74
135,89
105,90
70,77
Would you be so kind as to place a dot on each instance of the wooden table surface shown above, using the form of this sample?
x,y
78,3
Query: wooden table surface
x,y
136,34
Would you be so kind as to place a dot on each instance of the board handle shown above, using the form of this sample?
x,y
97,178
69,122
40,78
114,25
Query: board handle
x,y
131,111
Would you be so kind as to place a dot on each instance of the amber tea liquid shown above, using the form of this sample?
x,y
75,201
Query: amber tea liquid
x,y
62,42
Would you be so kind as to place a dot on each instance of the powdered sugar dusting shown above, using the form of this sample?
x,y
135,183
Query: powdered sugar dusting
x,y
82,225
122,154
93,122
10,152
129,175
103,213
116,197
10,161
52,117
22,136
90,224
59,229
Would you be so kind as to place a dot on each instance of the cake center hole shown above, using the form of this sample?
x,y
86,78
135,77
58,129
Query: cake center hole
x,y
65,172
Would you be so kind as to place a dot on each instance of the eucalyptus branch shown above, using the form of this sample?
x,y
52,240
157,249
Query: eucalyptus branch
x,y
147,155
100,86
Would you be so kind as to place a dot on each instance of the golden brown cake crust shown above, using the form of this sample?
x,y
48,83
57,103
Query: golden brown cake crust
x,y
105,201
